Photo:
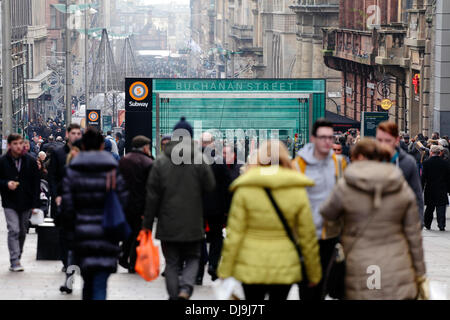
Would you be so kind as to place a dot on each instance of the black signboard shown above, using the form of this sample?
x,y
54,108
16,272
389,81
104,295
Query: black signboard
x,y
93,118
370,122
138,109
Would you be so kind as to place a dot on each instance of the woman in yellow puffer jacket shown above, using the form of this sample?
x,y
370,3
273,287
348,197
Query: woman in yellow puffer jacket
x,y
257,250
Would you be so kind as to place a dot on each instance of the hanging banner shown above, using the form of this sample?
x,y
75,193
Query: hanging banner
x,y
93,118
121,116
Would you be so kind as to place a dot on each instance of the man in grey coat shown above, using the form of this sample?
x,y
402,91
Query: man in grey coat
x,y
175,188
388,134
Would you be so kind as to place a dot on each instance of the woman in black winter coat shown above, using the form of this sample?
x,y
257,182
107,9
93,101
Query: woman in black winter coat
x,y
84,196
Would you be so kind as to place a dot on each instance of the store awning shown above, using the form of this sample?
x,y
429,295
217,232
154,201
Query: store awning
x,y
341,122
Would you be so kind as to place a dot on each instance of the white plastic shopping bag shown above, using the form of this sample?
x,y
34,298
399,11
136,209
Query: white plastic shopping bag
x,y
228,289
37,217
438,290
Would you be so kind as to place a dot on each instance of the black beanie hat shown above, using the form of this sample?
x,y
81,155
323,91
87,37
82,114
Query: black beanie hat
x,y
183,124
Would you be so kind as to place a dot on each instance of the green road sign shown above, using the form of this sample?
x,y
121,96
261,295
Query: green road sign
x,y
107,123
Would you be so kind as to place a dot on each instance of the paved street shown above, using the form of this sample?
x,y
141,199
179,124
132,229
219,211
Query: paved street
x,y
41,279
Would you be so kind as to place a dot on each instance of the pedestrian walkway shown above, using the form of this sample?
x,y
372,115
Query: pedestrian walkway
x,y
42,279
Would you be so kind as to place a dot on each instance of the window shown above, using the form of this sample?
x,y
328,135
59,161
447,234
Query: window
x,y
54,46
52,17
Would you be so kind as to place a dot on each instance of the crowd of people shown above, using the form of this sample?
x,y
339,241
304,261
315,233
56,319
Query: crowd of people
x,y
165,67
286,219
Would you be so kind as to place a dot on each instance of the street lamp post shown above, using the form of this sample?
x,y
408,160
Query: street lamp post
x,y
86,66
68,68
7,66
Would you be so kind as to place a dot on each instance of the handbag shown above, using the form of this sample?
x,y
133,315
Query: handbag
x,y
289,234
423,288
114,222
147,261
334,282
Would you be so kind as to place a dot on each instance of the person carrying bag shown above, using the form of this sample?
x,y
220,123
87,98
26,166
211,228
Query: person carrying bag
x,y
114,222
384,258
290,235
258,249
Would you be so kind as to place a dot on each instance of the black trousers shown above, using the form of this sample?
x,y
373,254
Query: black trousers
x,y
128,254
66,239
203,260
215,239
326,248
441,218
257,292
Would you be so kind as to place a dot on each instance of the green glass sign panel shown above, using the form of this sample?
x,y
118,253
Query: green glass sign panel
x,y
107,123
288,106
240,85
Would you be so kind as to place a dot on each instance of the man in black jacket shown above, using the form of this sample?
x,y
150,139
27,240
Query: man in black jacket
x,y
19,185
135,168
435,180
178,181
56,172
57,165
214,208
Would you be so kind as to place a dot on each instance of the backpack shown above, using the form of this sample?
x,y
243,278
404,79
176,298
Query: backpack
x,y
330,229
340,165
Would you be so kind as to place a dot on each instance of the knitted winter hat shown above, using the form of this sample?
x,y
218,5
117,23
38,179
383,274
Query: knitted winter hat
x,y
183,124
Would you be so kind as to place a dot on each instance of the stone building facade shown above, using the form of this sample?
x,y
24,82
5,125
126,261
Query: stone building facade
x,y
384,49
312,17
441,68
37,71
246,38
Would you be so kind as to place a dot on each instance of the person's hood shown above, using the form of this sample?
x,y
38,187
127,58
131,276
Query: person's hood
x,y
272,177
189,145
307,153
375,178
94,161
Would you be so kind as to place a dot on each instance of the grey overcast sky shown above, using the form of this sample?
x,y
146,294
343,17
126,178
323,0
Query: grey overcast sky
x,y
166,1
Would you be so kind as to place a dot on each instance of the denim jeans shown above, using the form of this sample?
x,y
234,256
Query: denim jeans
x,y
95,285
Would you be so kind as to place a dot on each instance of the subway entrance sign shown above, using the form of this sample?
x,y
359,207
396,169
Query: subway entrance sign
x,y
246,106
289,106
138,109
93,118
